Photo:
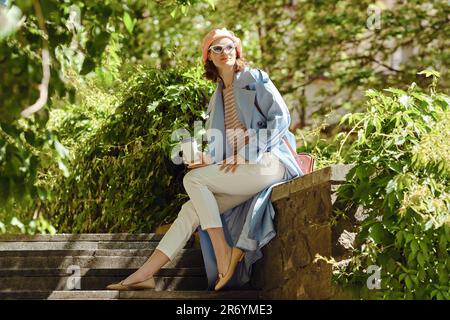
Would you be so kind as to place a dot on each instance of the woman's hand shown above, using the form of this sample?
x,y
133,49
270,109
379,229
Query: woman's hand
x,y
206,160
231,163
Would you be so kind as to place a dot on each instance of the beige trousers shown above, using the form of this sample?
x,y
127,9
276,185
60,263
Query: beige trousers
x,y
212,192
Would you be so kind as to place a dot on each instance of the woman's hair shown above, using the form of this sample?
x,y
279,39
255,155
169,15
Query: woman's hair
x,y
211,72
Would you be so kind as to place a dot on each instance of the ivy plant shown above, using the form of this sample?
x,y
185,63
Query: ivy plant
x,y
401,182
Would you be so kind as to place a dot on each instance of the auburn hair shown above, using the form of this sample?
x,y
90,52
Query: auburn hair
x,y
211,72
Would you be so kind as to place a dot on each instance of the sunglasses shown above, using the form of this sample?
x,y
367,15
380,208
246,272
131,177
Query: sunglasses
x,y
219,48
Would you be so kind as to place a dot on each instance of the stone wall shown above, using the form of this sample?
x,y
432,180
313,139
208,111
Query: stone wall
x,y
304,209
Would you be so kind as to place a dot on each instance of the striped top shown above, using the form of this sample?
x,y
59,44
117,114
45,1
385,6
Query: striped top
x,y
238,136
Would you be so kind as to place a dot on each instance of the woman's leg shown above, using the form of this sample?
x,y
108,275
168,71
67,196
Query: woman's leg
x,y
222,249
230,189
155,262
173,241
179,233
203,184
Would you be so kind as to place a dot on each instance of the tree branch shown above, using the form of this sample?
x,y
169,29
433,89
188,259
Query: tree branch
x,y
385,65
43,87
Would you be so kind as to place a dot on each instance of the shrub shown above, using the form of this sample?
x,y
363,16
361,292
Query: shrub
x,y
122,178
401,181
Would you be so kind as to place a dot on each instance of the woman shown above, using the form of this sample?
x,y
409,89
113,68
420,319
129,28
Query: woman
x,y
239,168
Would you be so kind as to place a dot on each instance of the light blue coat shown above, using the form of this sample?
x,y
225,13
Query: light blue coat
x,y
249,225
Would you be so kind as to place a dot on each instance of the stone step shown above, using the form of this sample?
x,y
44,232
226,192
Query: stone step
x,y
143,294
49,283
87,252
163,272
48,266
78,245
185,258
152,237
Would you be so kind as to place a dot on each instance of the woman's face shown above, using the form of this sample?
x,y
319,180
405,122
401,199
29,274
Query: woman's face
x,y
223,59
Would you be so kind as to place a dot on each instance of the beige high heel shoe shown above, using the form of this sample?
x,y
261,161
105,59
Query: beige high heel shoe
x,y
236,256
143,285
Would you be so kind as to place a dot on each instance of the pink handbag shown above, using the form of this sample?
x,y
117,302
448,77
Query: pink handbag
x,y
304,160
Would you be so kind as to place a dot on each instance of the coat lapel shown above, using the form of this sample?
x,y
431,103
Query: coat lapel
x,y
217,116
244,98
216,121
244,103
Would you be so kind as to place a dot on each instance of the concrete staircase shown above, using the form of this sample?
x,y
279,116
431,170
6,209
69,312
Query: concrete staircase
x,y
79,266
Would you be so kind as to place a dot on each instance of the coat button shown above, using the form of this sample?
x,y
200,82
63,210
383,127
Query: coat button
x,y
260,123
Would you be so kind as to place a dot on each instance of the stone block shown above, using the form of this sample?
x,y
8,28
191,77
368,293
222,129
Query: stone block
x,y
304,208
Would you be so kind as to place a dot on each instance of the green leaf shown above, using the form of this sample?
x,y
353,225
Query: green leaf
x,y
399,239
423,247
440,296
429,72
408,237
443,275
361,237
152,106
402,276
129,23
212,3
409,282
376,232
399,140
443,243
42,193
428,225
414,247
346,117
173,12
391,186
415,279
396,91
396,167
371,93
17,223
421,259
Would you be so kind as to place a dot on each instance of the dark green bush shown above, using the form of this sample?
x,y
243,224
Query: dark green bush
x,y
122,178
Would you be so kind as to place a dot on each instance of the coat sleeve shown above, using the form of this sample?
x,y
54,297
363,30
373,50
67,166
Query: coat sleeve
x,y
278,121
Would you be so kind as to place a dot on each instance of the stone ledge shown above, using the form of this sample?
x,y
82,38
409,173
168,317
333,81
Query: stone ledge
x,y
334,174
66,237
142,294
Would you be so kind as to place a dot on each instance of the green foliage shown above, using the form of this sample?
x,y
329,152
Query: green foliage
x,y
26,145
122,176
22,153
323,148
30,226
401,180
336,47
83,37
20,53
